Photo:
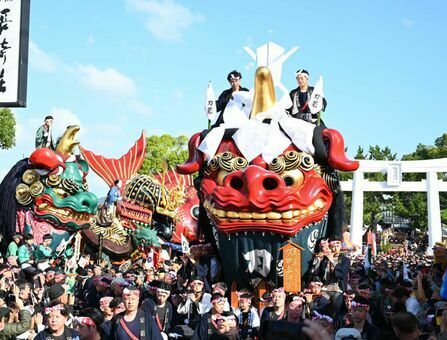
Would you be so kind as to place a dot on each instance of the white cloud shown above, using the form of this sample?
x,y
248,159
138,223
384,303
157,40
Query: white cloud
x,y
407,23
139,108
40,60
108,81
90,40
167,20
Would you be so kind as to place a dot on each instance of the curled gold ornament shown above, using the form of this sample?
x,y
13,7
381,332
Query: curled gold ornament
x,y
277,165
225,161
238,163
307,162
85,186
292,159
70,186
30,176
36,189
53,180
213,165
23,195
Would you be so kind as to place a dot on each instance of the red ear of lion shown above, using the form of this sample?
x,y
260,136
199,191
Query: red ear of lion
x,y
46,161
337,157
195,159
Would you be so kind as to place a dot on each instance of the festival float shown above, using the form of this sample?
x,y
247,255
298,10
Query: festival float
x,y
153,209
47,193
261,188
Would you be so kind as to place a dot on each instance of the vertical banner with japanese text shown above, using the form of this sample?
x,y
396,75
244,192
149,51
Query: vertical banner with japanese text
x,y
14,38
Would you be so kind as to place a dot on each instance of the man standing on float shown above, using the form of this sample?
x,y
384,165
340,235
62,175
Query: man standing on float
x,y
44,138
300,109
234,78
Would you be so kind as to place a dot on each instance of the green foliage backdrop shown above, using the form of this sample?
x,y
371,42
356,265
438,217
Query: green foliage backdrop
x,y
7,129
166,147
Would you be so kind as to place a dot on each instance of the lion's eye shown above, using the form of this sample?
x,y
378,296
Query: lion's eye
x,y
195,212
293,178
60,192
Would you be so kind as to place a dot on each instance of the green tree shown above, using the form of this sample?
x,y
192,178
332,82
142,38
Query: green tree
x,y
167,148
7,129
415,204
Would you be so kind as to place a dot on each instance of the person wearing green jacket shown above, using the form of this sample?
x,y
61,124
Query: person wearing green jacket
x,y
13,247
11,330
25,255
43,252
44,138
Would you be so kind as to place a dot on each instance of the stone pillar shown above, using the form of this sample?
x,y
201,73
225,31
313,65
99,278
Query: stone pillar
x,y
357,209
434,211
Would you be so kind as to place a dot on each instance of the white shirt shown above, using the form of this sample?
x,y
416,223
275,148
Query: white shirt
x,y
413,306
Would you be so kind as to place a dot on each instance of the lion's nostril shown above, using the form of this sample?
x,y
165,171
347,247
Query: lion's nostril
x,y
236,183
270,183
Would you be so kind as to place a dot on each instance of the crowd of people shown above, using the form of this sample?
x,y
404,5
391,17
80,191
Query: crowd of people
x,y
393,295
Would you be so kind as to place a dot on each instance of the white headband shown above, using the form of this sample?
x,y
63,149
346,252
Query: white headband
x,y
356,304
318,316
303,73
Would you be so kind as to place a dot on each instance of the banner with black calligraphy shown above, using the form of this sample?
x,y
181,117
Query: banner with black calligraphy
x,y
14,38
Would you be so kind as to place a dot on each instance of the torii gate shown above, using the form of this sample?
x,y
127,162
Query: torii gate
x,y
394,169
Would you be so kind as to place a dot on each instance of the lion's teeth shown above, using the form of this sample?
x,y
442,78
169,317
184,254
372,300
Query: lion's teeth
x,y
287,215
245,215
220,213
43,206
259,216
319,204
232,214
273,215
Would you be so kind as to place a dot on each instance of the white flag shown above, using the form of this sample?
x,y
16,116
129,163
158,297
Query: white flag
x,y
185,245
150,258
63,245
210,104
316,99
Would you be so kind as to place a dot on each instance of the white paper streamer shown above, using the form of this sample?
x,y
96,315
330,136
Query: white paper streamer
x,y
253,137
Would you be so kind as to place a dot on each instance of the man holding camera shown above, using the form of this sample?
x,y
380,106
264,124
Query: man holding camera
x,y
195,302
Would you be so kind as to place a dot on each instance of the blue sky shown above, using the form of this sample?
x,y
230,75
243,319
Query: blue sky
x,y
116,67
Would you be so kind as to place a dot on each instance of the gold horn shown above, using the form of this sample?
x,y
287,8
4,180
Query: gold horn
x,y
67,141
264,97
